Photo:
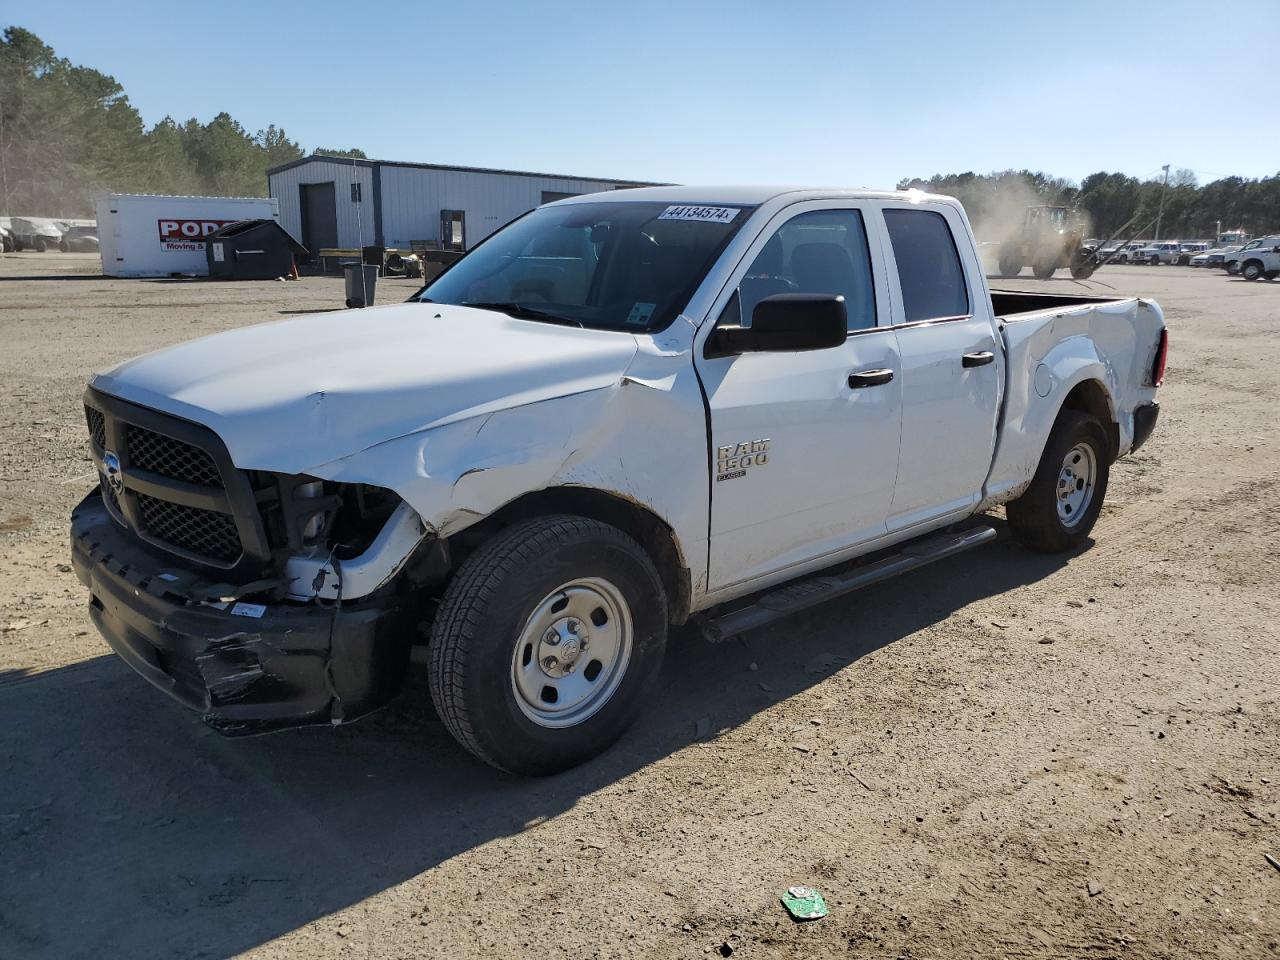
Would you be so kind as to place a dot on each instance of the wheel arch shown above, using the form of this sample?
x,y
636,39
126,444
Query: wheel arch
x,y
1092,396
633,518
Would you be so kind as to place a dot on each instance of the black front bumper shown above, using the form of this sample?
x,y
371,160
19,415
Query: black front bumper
x,y
1144,422
248,668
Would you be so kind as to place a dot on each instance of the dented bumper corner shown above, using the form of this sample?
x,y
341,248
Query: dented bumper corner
x,y
1144,423
248,668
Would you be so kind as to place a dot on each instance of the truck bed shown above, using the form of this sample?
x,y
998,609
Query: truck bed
x,y
1008,303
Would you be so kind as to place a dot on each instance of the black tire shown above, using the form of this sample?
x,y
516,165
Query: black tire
x,y
353,303
1083,263
484,611
1034,516
1272,274
1251,270
1010,263
1044,269
17,246
40,245
1233,267
64,246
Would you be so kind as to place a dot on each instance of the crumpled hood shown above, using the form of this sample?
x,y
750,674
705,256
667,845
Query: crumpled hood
x,y
303,392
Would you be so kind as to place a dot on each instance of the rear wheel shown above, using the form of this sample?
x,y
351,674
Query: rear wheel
x,y
547,644
1060,507
1044,269
40,245
1010,263
1251,270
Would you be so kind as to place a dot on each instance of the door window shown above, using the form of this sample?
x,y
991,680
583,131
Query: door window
x,y
929,268
824,251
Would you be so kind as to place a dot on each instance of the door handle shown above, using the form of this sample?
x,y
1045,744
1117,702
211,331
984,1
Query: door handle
x,y
870,378
979,359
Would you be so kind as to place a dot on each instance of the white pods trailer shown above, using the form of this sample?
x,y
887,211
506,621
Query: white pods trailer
x,y
153,236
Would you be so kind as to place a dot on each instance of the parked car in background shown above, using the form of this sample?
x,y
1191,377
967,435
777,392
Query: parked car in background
x,y
1166,251
35,233
1125,252
1262,260
1214,257
1233,260
1189,250
79,239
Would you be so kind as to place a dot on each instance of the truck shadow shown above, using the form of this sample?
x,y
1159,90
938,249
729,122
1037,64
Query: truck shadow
x,y
129,829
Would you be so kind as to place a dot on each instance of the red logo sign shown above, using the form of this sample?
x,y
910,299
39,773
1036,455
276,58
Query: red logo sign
x,y
190,231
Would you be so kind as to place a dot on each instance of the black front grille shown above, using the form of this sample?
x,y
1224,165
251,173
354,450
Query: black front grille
x,y
156,453
207,533
97,427
177,488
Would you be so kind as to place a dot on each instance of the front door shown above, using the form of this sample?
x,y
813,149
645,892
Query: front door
x,y
804,444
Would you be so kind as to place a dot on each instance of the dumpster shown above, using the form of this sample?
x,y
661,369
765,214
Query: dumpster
x,y
361,280
251,250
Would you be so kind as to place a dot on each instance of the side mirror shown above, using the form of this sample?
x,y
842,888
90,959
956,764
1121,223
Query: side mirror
x,y
785,323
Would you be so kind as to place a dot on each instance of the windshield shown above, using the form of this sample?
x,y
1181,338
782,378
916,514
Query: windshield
x,y
612,265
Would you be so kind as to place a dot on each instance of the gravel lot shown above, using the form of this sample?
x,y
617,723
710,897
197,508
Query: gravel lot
x,y
957,759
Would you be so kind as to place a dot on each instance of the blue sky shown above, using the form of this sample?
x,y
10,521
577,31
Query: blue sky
x,y
852,94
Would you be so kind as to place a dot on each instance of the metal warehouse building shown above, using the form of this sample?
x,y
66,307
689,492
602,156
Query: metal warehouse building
x,y
336,202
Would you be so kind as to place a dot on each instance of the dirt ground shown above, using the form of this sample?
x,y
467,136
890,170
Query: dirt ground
x,y
956,759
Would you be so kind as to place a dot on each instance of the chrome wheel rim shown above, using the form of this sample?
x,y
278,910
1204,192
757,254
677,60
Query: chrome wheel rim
x,y
1076,481
572,654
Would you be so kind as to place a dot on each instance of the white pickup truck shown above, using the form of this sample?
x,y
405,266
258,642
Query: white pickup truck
x,y
620,412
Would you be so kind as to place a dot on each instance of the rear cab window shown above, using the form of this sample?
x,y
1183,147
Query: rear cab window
x,y
929,269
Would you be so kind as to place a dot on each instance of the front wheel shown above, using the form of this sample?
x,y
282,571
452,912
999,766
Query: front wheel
x,y
1251,270
547,644
1010,263
1272,274
1083,264
1233,267
1060,507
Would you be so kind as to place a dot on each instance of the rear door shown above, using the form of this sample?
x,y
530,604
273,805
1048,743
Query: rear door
x,y
805,444
952,366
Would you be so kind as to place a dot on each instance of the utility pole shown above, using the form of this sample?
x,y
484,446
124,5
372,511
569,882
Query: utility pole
x,y
1160,215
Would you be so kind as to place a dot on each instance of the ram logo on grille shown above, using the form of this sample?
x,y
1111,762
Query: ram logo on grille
x,y
115,477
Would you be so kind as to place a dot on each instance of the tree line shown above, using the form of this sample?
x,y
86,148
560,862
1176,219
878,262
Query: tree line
x,y
1191,211
68,132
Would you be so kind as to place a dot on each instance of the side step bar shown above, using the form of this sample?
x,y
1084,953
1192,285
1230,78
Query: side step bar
x,y
803,594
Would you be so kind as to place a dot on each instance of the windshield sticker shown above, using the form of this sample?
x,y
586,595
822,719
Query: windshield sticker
x,y
707,214
640,314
